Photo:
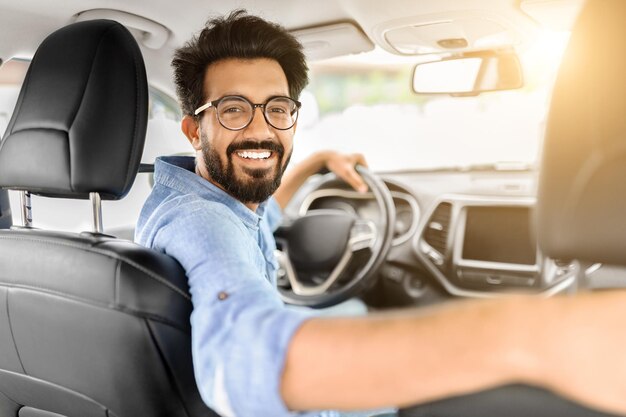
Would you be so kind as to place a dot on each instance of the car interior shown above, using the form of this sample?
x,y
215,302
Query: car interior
x,y
96,325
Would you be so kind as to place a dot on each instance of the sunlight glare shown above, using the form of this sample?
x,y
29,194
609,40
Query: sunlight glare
x,y
544,55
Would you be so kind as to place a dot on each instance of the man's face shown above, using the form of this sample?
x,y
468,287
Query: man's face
x,y
247,163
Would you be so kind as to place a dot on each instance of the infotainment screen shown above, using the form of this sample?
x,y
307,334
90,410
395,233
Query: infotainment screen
x,y
499,234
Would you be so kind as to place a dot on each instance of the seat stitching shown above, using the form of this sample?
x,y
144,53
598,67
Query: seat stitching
x,y
89,248
13,336
116,282
64,388
85,300
27,129
19,406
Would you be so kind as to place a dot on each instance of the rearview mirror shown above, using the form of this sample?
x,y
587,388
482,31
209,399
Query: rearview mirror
x,y
469,74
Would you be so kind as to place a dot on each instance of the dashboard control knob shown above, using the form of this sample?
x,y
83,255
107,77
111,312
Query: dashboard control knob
x,y
435,257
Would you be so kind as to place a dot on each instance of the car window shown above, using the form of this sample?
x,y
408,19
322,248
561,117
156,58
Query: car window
x,y
12,75
163,137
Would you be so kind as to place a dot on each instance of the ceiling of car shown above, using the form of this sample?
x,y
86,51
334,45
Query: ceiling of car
x,y
330,28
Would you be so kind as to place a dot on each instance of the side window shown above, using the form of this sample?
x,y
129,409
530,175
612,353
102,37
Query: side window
x,y
162,106
12,75
163,137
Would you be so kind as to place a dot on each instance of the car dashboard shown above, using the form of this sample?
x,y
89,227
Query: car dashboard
x,y
456,234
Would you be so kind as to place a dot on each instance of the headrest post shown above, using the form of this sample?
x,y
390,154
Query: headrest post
x,y
27,214
97,212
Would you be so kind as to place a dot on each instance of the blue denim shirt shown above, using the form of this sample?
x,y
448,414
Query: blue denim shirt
x,y
240,326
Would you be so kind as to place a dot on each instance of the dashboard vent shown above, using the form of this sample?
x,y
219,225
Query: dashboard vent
x,y
436,233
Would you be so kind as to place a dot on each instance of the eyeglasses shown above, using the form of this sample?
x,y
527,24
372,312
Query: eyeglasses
x,y
237,112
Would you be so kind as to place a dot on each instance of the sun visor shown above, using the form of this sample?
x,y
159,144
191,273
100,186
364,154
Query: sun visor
x,y
322,42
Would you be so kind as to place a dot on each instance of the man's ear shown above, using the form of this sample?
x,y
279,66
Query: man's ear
x,y
191,128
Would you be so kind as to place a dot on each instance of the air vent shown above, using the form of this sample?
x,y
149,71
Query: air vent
x,y
436,233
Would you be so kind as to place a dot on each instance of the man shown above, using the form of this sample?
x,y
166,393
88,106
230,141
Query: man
x,y
238,83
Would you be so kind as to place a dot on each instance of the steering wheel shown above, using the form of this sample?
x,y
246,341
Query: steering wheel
x,y
328,256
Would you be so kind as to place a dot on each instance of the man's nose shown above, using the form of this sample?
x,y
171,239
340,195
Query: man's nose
x,y
258,127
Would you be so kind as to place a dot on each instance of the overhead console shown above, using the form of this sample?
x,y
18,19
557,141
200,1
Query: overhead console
x,y
484,246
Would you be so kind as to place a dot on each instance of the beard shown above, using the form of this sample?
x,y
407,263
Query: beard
x,y
253,185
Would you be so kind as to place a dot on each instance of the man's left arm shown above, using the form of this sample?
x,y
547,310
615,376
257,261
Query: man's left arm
x,y
343,165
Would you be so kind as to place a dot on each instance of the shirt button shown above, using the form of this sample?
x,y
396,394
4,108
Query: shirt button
x,y
222,295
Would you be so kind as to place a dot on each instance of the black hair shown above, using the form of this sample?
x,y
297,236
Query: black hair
x,y
238,35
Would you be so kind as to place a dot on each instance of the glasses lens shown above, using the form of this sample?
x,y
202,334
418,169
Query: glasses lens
x,y
234,112
281,112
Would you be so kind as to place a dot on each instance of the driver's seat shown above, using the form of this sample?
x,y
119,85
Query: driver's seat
x,y
90,326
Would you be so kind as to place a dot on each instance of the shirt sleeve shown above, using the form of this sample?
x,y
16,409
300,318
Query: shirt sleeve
x,y
240,328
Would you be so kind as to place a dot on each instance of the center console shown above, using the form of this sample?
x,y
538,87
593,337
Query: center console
x,y
481,246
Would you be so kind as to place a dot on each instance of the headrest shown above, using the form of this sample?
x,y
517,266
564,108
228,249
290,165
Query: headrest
x,y
582,186
80,120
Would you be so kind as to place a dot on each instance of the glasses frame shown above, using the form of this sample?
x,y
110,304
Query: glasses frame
x,y
262,106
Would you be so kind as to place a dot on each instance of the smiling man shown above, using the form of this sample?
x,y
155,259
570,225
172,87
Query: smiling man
x,y
238,82
248,150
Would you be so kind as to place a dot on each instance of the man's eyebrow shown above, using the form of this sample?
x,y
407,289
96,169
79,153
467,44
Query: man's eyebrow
x,y
234,93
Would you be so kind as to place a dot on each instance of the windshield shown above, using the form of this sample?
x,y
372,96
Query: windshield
x,y
365,104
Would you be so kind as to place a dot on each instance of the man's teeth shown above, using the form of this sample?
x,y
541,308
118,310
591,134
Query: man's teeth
x,y
254,155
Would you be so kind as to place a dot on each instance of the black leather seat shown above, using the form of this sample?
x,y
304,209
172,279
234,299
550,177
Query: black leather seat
x,y
89,325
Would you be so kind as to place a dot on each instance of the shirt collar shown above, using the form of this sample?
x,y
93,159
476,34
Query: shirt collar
x,y
178,173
